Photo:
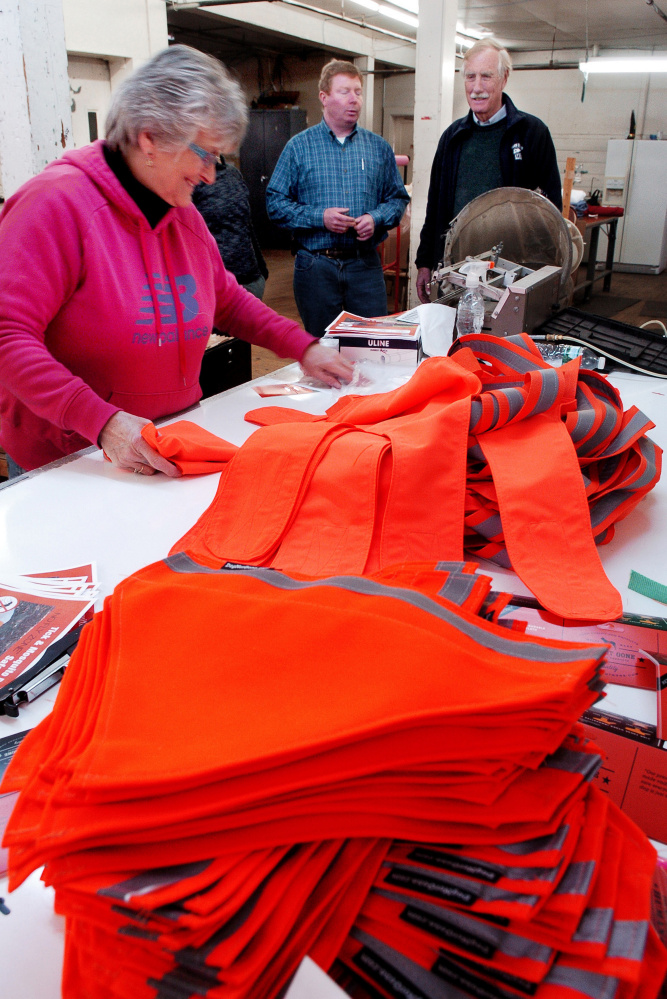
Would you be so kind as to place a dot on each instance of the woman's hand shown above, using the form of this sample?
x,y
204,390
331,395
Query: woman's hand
x,y
124,446
326,364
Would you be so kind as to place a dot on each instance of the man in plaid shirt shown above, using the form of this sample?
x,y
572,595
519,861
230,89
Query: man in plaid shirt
x,y
336,186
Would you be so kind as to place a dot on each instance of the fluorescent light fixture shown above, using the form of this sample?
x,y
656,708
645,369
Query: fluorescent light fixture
x,y
639,64
398,15
471,32
411,5
383,8
465,43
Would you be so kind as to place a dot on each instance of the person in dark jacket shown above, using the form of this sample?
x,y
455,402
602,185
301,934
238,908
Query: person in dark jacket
x,y
225,207
494,145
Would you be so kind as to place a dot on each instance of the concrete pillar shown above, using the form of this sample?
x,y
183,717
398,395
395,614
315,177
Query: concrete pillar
x,y
35,117
434,101
366,66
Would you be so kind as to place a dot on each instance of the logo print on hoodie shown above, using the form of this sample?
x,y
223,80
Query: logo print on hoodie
x,y
186,286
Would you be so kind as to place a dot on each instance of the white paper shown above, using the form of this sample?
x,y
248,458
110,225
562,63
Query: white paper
x,y
437,328
310,982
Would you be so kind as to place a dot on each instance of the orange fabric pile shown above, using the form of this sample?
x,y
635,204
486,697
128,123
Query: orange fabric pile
x,y
244,766
492,451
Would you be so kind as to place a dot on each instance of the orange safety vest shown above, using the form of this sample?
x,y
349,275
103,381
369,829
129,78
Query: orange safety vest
x,y
492,450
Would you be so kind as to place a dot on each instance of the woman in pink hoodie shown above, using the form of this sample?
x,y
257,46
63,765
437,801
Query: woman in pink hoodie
x,y
110,282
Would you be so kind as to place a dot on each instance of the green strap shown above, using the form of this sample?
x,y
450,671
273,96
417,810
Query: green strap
x,y
649,587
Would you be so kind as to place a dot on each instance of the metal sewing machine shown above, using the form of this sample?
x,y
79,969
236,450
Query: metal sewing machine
x,y
527,245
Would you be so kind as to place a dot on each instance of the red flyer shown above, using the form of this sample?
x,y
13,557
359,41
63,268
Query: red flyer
x,y
36,610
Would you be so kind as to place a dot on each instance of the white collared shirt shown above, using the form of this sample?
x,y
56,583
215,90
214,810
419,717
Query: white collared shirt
x,y
498,116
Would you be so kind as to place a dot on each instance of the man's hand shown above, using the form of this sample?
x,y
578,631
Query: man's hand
x,y
326,364
124,446
336,219
424,284
365,227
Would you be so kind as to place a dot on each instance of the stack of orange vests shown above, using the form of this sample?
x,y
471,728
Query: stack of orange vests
x,y
244,766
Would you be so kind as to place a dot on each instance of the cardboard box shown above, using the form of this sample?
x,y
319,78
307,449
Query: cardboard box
x,y
380,350
637,642
634,770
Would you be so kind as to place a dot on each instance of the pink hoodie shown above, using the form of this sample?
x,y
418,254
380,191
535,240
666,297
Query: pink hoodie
x,y
88,321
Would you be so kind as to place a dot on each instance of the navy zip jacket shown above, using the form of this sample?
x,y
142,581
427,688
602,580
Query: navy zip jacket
x,y
527,159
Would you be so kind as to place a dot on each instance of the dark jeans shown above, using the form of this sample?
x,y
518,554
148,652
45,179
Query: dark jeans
x,y
13,470
324,287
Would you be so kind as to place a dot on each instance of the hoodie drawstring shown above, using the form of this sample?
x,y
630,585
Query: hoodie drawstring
x,y
180,325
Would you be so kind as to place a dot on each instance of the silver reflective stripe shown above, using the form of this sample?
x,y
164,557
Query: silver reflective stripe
x,y
425,985
490,528
467,927
636,426
458,587
475,412
450,566
594,926
574,762
509,357
501,558
367,587
539,844
516,401
548,390
605,506
628,939
577,878
588,983
585,417
603,432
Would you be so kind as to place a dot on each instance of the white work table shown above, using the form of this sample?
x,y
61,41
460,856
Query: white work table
x,y
84,510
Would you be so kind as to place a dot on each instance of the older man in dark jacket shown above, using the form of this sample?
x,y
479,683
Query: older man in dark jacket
x,y
494,145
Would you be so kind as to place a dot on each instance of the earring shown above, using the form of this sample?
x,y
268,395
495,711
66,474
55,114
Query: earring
x,y
149,162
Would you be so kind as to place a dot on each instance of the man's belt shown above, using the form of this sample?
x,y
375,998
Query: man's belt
x,y
338,253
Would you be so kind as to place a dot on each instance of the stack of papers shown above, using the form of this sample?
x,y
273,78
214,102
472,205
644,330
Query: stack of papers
x,y
39,613
219,796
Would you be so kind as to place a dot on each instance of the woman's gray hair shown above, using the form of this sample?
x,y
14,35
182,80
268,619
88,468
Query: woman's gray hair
x,y
174,95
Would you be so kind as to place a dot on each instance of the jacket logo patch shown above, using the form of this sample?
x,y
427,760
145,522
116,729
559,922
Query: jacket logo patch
x,y
186,287
517,149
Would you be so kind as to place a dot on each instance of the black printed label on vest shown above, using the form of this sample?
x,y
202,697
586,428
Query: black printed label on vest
x,y
470,984
520,984
424,885
458,865
391,980
455,935
241,566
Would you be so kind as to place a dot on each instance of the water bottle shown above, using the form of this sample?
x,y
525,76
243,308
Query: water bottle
x,y
470,312
557,354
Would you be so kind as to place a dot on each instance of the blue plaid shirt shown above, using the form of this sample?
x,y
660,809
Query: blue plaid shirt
x,y
316,171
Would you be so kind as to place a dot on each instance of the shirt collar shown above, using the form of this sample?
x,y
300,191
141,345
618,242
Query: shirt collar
x,y
498,116
333,134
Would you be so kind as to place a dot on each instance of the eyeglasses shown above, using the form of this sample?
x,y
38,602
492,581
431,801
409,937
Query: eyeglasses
x,y
210,159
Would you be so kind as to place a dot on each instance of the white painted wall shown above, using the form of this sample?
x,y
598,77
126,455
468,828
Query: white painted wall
x,y
90,92
583,129
106,40
35,123
127,30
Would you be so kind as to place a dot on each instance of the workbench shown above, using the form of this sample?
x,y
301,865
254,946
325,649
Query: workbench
x,y
589,226
84,509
